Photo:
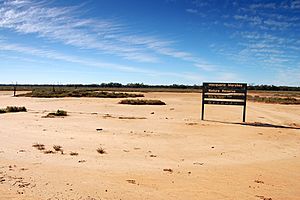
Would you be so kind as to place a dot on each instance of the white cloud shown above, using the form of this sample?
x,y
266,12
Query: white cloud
x,y
50,54
61,24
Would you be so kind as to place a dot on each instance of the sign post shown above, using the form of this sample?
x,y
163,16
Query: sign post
x,y
224,94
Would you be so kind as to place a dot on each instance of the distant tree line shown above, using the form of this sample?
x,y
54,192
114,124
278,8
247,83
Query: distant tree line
x,y
141,85
273,88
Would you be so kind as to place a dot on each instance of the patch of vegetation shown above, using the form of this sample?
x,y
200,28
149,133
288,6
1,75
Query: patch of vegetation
x,y
39,146
49,152
9,109
58,148
73,153
58,113
59,93
101,150
142,102
168,170
132,118
131,181
275,100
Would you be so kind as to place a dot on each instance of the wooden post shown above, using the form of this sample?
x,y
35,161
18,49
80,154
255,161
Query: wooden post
x,y
244,110
202,113
15,89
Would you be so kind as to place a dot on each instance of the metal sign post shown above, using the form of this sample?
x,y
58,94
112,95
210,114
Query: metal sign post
x,y
224,94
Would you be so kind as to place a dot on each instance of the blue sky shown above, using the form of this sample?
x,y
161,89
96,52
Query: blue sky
x,y
151,42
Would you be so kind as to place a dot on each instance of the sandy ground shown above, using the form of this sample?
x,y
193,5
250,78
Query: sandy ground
x,y
171,154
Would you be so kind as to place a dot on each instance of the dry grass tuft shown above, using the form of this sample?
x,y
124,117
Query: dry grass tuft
x,y
101,150
168,170
49,152
39,146
74,153
131,181
58,148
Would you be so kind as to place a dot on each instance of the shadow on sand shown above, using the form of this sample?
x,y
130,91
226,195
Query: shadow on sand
x,y
257,124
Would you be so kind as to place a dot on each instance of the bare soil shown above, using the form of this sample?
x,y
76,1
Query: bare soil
x,y
152,152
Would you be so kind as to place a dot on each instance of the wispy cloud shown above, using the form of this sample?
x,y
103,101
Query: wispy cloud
x,y
266,34
53,55
50,54
190,10
62,24
263,6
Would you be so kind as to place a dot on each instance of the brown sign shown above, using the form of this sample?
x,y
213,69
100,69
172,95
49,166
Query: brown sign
x,y
224,94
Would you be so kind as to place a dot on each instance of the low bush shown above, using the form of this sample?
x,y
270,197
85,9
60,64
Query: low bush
x,y
276,100
78,93
15,109
142,102
58,113
9,109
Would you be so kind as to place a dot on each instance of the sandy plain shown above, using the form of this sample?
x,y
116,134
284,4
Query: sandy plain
x,y
153,152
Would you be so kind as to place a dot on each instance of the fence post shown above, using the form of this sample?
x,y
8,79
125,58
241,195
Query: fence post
x,y
15,89
202,113
244,110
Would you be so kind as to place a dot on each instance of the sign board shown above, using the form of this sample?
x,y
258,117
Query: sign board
x,y
224,94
